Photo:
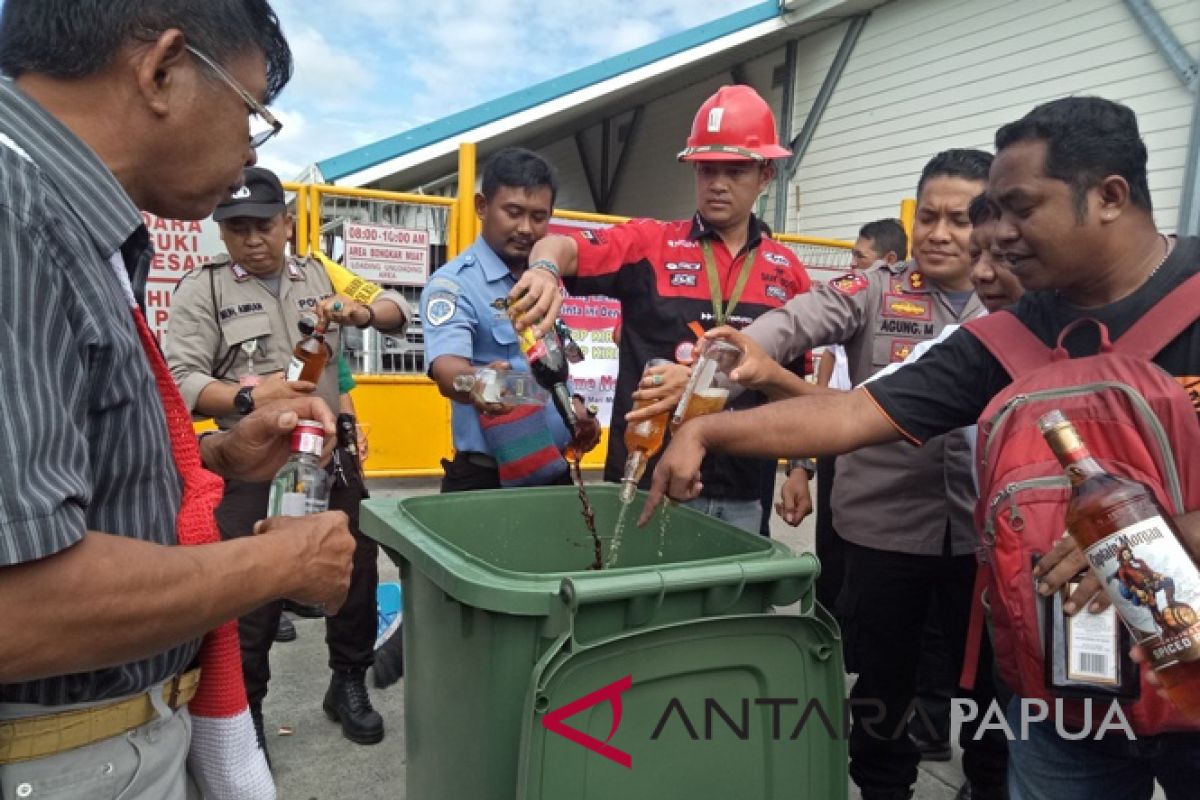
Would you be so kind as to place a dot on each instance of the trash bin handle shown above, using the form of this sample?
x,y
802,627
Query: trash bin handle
x,y
605,587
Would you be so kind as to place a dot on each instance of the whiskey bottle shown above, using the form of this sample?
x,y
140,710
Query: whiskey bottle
x,y
310,355
1134,548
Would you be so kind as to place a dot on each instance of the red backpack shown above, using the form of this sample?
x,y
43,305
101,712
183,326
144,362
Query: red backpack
x,y
1136,419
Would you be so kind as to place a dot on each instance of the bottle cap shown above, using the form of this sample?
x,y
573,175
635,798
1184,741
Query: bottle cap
x,y
308,437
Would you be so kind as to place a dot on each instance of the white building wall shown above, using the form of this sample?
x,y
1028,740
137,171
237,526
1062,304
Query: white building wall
x,y
931,74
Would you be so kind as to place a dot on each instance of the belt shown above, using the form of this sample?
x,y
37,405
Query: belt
x,y
479,460
48,734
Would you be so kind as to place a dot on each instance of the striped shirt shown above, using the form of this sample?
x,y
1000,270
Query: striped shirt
x,y
82,429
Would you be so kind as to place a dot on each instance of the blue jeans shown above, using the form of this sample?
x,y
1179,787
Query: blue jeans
x,y
1047,767
744,514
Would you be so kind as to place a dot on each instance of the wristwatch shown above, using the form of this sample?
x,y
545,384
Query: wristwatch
x,y
243,401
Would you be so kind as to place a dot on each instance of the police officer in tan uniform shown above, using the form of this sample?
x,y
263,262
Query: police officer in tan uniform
x,y
904,512
234,324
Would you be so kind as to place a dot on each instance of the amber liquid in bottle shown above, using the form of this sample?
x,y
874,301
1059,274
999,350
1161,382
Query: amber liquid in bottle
x,y
309,356
1148,570
642,441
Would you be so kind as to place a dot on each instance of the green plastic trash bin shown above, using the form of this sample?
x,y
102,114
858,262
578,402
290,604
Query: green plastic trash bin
x,y
528,675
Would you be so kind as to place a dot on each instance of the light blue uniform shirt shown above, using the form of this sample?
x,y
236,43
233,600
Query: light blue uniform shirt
x,y
459,320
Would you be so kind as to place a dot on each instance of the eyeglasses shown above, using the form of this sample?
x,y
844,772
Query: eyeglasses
x,y
256,108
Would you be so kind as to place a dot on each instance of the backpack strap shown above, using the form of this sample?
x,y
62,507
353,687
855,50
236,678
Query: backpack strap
x,y
975,631
1010,342
1163,323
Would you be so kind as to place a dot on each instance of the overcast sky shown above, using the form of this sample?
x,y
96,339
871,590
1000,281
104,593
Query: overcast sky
x,y
367,69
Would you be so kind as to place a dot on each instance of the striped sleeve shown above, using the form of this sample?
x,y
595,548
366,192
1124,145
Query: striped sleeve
x,y
45,467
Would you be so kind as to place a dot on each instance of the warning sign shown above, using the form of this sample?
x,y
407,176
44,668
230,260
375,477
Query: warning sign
x,y
179,247
387,254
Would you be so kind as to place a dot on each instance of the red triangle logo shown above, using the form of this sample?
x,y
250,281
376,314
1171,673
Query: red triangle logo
x,y
553,721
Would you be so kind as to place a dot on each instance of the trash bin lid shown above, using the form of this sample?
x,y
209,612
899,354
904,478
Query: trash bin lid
x,y
742,706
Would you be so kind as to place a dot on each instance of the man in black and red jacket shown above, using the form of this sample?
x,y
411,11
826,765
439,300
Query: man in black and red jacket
x,y
676,279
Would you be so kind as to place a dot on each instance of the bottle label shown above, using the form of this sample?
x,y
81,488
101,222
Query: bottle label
x,y
1155,588
1091,644
536,351
305,442
294,369
293,504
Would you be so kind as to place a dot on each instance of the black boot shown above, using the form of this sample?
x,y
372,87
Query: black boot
x,y
286,632
347,702
256,716
301,610
389,660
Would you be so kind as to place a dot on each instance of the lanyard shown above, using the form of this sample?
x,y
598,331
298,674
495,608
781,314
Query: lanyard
x,y
722,312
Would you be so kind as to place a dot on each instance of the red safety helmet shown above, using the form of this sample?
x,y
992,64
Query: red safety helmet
x,y
732,125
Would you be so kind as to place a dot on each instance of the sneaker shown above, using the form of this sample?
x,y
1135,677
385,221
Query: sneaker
x,y
389,661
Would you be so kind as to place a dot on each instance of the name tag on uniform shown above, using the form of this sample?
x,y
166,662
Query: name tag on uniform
x,y
229,312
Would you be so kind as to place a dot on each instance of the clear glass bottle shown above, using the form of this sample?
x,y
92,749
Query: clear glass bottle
x,y
302,485
502,387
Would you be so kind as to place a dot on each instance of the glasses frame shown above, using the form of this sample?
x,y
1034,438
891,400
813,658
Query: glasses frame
x,y
256,108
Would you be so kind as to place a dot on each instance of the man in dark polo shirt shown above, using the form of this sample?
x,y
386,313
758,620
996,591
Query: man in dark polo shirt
x,y
111,108
1075,222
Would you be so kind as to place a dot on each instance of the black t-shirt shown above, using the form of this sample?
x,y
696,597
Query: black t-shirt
x,y
951,385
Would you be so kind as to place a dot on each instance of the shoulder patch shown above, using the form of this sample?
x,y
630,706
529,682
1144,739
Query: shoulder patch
x,y
443,284
776,258
440,308
849,284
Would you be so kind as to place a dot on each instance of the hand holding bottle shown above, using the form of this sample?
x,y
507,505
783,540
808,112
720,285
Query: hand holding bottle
x,y
255,448
323,556
344,311
659,390
276,386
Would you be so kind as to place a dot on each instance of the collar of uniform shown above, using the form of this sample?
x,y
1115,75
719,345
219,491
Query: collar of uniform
x,y
494,268
77,173
702,229
241,274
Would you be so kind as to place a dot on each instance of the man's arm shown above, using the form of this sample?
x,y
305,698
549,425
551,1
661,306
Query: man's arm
x,y
194,339
825,367
110,600
804,426
821,316
1066,560
536,295
388,313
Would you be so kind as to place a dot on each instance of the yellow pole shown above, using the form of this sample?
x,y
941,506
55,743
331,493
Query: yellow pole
x,y
466,196
314,220
908,212
302,221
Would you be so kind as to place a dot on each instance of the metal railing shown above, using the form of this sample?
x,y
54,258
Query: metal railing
x,y
324,211
823,258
